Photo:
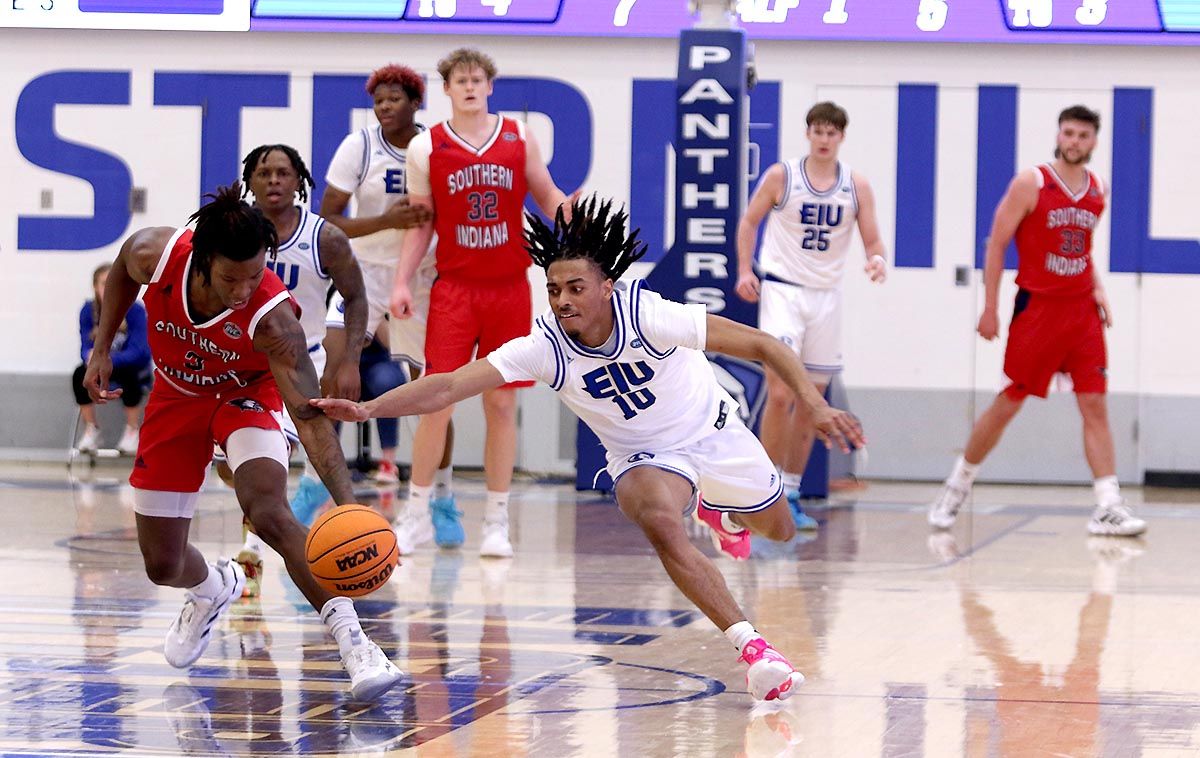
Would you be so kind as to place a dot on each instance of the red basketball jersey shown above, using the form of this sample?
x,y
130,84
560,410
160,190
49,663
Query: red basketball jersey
x,y
211,357
1054,242
479,200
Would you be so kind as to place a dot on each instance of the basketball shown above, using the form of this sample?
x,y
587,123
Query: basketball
x,y
351,550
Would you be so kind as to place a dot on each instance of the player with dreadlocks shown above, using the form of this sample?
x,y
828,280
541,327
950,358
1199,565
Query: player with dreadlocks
x,y
228,353
311,255
631,365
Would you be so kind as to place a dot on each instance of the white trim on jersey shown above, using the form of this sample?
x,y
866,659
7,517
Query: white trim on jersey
x,y
477,151
187,308
366,157
787,186
837,184
166,254
1075,196
618,328
265,309
560,358
635,303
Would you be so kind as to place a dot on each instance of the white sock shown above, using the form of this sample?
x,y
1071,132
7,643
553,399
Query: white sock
x,y
790,481
442,482
729,525
497,506
211,586
741,633
963,475
341,620
418,499
253,543
1108,492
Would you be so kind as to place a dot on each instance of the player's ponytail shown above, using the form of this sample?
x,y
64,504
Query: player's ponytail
x,y
230,227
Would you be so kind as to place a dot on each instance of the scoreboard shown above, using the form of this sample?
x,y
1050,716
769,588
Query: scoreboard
x,y
1032,21
1132,22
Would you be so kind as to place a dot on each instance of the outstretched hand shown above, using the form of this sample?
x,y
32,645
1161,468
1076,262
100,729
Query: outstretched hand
x,y
838,427
341,410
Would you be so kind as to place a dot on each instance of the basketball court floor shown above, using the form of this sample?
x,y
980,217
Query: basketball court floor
x,y
1016,635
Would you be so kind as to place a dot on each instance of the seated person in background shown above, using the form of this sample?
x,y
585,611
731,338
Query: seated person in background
x,y
380,374
131,364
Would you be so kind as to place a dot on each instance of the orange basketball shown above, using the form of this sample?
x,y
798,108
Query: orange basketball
x,y
351,550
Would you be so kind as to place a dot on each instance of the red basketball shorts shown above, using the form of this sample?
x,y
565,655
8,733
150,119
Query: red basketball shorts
x,y
1051,335
178,432
474,318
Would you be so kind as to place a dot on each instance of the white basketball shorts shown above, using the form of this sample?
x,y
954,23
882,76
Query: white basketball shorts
x,y
807,320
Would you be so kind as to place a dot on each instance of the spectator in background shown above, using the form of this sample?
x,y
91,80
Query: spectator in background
x,y
381,373
131,365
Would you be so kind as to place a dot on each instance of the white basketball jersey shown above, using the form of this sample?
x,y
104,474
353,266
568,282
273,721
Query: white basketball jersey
x,y
298,265
373,170
652,389
808,233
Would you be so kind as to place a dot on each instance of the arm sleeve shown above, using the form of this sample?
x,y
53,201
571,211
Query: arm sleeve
x,y
528,358
136,351
86,343
665,324
416,164
349,165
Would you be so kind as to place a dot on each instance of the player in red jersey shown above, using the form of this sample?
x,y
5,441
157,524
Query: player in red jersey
x,y
228,351
473,172
1059,319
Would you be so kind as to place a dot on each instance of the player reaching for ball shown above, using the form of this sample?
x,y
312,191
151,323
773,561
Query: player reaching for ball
x,y
228,352
631,365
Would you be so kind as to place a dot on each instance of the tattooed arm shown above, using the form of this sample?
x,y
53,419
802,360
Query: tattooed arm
x,y
280,337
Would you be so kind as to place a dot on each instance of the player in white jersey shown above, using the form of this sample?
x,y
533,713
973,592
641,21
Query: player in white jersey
x,y
811,205
312,256
369,168
631,365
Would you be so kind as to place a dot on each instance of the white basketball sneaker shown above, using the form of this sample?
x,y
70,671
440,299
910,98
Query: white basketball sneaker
x,y
495,543
944,510
189,633
412,529
90,439
129,441
1115,520
770,676
371,673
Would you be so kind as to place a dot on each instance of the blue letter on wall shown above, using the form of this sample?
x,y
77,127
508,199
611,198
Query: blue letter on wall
x,y
335,97
1133,249
567,109
221,97
41,146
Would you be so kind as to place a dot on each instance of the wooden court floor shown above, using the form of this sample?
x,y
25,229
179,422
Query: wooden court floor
x,y
1016,635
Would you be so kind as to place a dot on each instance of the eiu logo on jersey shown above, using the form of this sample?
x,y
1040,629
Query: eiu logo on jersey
x,y
639,457
819,220
619,382
394,181
288,273
233,331
246,404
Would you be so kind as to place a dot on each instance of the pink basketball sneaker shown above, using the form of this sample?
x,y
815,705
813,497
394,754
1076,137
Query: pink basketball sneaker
x,y
770,676
734,544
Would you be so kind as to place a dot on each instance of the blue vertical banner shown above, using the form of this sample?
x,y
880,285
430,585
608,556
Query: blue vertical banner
x,y
711,128
995,162
916,174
